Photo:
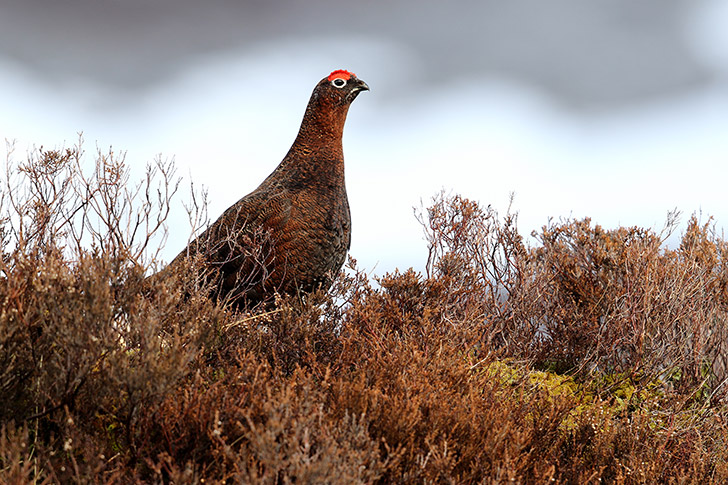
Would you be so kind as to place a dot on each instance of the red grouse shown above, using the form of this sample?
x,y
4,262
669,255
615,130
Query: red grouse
x,y
291,234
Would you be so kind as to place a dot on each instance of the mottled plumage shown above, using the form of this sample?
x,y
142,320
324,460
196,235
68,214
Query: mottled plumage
x,y
292,233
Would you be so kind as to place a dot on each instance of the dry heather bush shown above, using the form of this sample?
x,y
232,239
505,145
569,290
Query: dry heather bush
x,y
585,299
405,378
617,301
81,350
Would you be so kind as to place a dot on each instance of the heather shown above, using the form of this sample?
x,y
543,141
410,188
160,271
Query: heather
x,y
578,355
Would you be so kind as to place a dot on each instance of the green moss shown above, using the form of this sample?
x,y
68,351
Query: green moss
x,y
601,399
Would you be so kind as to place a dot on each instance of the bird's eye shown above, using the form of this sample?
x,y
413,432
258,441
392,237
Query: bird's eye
x,y
338,82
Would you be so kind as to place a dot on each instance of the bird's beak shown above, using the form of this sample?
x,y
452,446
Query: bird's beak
x,y
358,87
361,86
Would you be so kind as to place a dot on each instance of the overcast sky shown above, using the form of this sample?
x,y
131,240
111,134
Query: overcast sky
x,y
612,109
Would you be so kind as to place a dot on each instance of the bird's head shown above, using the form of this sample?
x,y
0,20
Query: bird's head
x,y
329,104
341,87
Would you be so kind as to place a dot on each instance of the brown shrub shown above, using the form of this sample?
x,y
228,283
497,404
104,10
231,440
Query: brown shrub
x,y
617,301
434,378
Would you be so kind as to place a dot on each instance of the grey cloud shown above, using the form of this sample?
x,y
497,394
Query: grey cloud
x,y
591,55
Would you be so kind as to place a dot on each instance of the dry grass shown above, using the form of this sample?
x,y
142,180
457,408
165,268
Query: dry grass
x,y
595,355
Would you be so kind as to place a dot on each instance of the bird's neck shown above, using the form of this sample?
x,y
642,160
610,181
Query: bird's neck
x,y
322,126
317,154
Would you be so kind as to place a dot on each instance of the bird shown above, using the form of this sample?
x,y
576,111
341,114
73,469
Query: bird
x,y
290,235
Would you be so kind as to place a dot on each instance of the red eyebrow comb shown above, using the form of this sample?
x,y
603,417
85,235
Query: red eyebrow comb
x,y
342,74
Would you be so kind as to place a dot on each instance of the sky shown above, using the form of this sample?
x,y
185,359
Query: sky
x,y
610,109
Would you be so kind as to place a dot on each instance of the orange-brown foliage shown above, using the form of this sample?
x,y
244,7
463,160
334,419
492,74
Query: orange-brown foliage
x,y
596,354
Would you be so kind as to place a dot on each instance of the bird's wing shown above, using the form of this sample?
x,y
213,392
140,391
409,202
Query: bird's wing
x,y
261,209
246,224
